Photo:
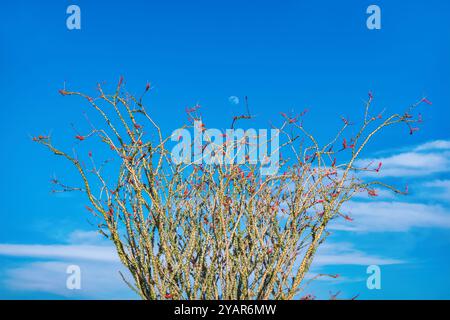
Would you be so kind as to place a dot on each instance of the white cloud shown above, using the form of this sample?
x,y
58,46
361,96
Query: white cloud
x,y
86,237
438,184
99,280
410,164
436,189
83,252
97,259
434,145
344,253
426,159
81,244
384,216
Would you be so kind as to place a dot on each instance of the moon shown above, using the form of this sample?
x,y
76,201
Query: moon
x,y
233,100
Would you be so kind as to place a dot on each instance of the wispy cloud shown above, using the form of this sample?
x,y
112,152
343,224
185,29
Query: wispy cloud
x,y
99,280
81,245
382,216
86,237
421,166
436,189
434,145
343,253
410,164
83,252
96,258
425,159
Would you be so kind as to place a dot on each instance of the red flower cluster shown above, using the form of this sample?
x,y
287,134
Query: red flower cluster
x,y
347,146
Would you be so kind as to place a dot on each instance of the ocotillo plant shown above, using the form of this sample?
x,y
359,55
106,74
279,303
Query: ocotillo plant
x,y
190,230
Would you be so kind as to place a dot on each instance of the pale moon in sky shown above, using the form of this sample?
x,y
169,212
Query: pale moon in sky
x,y
233,100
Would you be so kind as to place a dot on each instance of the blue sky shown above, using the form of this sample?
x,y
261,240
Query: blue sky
x,y
285,55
